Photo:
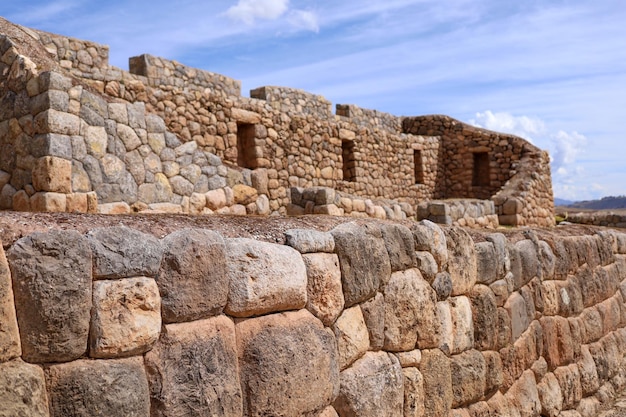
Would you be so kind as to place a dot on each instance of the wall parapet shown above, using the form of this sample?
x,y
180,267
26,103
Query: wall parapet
x,y
422,318
293,101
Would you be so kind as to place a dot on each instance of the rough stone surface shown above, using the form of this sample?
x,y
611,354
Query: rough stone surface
x,y
52,284
485,317
264,278
22,390
363,260
193,277
461,260
409,311
10,346
430,238
352,337
400,246
372,387
121,252
51,173
307,241
126,317
193,370
413,392
374,315
468,371
324,294
486,263
523,395
274,370
457,330
436,370
107,388
550,396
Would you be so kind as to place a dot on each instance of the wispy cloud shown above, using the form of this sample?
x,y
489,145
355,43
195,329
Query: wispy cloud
x,y
248,11
304,19
523,126
44,12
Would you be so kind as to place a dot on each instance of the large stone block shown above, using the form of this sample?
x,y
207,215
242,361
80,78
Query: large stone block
x,y
400,246
126,317
352,336
51,173
494,376
589,381
486,263
193,277
374,315
485,317
503,262
363,260
431,238
435,368
550,396
47,202
372,387
569,381
457,328
557,341
520,319
121,252
264,278
413,392
528,262
461,260
22,390
52,284
10,346
288,365
111,388
324,294
193,370
469,371
524,396
308,241
409,312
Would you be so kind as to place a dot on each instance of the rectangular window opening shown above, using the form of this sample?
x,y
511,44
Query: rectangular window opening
x,y
246,133
418,167
481,171
349,161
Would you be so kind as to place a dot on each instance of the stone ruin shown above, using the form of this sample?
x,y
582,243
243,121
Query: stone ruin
x,y
80,135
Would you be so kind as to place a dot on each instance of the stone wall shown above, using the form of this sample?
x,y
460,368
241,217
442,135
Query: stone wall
x,y
597,218
164,133
460,212
370,320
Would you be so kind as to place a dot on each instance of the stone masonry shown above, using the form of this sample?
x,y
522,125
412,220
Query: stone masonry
x,y
77,134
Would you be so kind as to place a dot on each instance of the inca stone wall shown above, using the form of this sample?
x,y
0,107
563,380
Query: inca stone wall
x,y
162,136
370,320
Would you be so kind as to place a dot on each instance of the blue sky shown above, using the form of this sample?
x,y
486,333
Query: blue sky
x,y
552,71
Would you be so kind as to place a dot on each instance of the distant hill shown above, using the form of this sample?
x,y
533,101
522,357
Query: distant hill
x,y
606,203
562,202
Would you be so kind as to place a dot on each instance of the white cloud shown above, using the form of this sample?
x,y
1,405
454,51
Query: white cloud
x,y
523,126
565,147
41,13
304,19
248,11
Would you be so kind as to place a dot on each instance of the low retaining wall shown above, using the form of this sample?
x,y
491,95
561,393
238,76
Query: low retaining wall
x,y
598,218
460,212
365,320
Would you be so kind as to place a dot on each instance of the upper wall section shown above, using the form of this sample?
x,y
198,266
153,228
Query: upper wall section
x,y
285,137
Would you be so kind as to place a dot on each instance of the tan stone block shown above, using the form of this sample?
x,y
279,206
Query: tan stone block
x,y
96,140
550,396
23,390
10,346
245,116
244,194
21,201
435,368
216,199
76,203
92,202
114,208
53,121
410,358
351,335
468,370
569,381
457,328
126,317
54,174
48,202
557,341
413,392
325,296
197,202
524,396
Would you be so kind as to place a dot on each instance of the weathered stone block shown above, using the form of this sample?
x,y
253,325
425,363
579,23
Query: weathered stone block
x,y
427,265
550,396
10,346
569,381
409,312
22,390
435,368
400,246
457,329
557,341
193,370
126,317
352,337
120,252
468,370
520,319
193,276
374,315
307,241
324,294
51,173
523,395
54,121
372,387
52,284
274,369
493,372
264,278
461,261
413,392
363,260
486,263
46,202
430,238
485,317
589,380
114,388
